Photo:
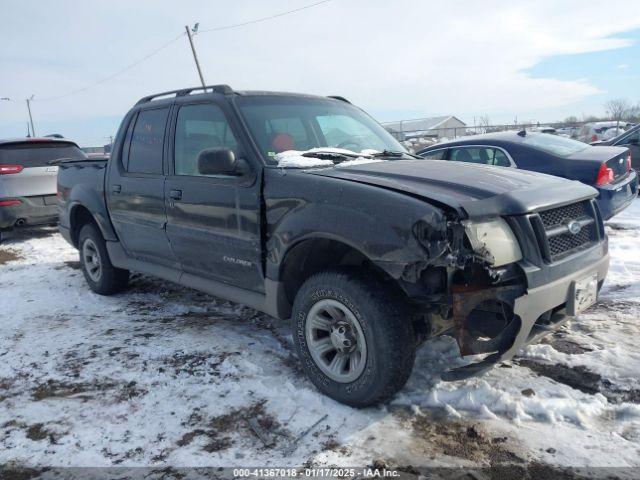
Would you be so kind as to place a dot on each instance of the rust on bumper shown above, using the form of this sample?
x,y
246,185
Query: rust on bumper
x,y
535,312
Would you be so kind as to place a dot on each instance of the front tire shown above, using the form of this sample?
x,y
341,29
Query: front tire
x,y
354,336
102,277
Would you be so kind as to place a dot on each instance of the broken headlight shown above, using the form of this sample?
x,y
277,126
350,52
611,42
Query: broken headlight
x,y
494,241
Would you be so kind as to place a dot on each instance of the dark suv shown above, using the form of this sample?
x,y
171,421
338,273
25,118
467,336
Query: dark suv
x,y
304,207
28,181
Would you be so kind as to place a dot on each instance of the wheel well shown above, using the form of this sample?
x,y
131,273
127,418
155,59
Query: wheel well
x,y
80,216
314,255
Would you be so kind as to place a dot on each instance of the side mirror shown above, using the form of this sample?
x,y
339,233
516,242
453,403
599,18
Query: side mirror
x,y
220,161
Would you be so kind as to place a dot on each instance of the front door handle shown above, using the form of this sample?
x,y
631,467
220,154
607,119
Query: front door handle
x,y
116,188
175,194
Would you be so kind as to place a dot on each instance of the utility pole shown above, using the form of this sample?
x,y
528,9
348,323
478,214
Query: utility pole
x,y
33,130
193,49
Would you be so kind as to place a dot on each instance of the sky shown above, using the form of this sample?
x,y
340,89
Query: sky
x,y
405,59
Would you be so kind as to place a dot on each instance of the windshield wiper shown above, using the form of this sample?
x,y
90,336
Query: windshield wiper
x,y
391,153
330,154
335,156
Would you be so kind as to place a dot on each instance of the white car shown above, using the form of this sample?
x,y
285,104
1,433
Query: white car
x,y
593,131
28,180
544,129
612,132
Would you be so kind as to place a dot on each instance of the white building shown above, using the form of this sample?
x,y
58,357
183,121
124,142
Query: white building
x,y
434,127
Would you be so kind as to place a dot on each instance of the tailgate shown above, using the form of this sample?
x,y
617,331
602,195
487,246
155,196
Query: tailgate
x,y
33,156
29,182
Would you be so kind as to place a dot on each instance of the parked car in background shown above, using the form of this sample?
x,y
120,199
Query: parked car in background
x,y
28,181
307,209
608,169
544,129
612,132
629,139
593,131
570,132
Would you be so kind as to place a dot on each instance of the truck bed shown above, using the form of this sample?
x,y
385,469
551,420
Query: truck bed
x,y
81,182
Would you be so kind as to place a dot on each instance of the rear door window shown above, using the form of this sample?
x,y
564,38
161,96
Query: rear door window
x,y
500,158
466,154
481,155
37,154
147,140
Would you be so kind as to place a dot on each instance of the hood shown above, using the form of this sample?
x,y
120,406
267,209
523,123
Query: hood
x,y
475,190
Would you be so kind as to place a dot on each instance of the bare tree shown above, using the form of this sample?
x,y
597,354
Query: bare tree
x,y
618,109
634,113
484,121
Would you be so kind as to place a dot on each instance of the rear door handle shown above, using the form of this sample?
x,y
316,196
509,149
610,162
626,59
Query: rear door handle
x,y
116,188
175,194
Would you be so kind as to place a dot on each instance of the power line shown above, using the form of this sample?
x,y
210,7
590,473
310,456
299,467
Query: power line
x,y
165,45
263,19
119,72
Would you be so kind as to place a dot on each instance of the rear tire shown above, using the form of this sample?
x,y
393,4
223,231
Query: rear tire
x,y
102,277
342,318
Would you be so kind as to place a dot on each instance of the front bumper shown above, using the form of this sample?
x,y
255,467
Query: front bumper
x,y
536,312
37,210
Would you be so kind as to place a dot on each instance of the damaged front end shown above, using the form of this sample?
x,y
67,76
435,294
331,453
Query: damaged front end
x,y
487,282
469,287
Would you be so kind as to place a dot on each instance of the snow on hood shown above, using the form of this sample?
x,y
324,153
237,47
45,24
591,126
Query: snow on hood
x,y
296,158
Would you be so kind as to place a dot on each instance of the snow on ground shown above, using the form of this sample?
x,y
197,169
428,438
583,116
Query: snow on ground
x,y
163,375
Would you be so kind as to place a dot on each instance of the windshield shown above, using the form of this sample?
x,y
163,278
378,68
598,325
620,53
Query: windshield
x,y
561,146
279,124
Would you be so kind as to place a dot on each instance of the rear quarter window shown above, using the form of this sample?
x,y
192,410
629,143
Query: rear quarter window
x,y
37,154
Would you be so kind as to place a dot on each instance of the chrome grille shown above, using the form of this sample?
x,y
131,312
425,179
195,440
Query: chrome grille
x,y
555,238
566,242
562,215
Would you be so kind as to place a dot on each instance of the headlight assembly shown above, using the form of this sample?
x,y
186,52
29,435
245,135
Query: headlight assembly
x,y
494,241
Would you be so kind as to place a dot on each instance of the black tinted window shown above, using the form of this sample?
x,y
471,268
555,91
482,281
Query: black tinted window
x,y
198,128
145,154
37,154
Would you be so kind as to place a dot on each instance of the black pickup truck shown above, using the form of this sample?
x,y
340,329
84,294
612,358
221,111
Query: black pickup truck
x,y
304,207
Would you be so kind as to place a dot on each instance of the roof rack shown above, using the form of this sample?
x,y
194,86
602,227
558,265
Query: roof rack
x,y
338,97
223,89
